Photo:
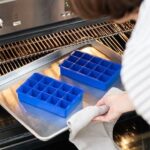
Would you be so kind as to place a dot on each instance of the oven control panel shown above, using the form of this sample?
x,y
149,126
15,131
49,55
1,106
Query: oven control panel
x,y
17,15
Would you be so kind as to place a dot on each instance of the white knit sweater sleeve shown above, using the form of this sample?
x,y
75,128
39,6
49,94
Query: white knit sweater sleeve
x,y
136,63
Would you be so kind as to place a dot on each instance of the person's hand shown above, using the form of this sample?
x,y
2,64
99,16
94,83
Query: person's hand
x,y
117,103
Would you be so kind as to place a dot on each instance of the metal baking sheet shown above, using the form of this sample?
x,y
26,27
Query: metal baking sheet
x,y
42,124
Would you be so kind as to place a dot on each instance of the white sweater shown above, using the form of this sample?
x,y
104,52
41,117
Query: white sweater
x,y
136,63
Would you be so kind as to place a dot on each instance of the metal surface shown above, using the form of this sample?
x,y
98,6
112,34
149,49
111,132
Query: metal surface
x,y
20,15
42,124
17,54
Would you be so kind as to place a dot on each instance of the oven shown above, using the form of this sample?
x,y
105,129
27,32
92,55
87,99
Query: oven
x,y
34,36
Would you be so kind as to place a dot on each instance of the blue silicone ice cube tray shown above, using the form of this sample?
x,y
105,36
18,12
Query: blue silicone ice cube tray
x,y
91,70
49,94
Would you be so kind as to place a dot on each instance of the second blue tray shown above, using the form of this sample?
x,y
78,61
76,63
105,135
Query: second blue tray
x,y
91,70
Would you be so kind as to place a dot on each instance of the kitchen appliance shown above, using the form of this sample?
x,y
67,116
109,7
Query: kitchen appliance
x,y
36,33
